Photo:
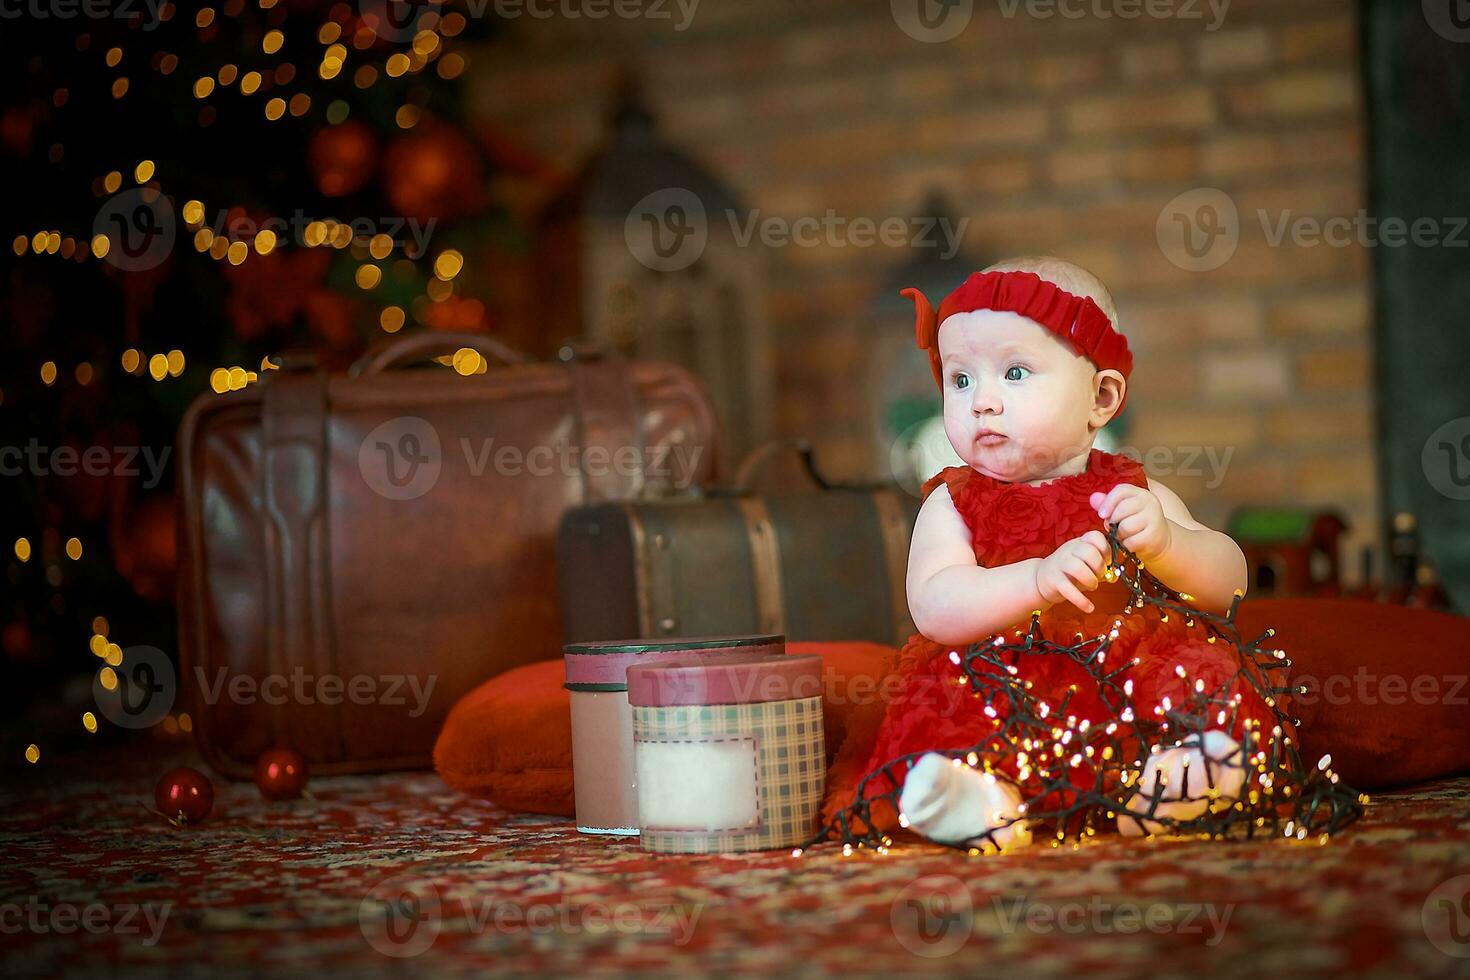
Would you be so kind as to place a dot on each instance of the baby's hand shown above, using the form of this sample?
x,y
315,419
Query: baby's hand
x,y
1072,569
1142,527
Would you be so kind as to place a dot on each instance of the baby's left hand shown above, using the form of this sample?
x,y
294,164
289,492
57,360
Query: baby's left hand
x,y
1142,527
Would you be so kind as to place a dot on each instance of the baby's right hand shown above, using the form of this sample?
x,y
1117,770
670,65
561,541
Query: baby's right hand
x,y
1072,569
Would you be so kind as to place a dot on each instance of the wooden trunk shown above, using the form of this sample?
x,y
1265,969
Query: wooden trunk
x,y
822,565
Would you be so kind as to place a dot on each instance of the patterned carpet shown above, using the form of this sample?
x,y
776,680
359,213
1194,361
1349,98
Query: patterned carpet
x,y
396,875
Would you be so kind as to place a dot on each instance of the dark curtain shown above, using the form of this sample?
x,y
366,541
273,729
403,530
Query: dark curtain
x,y
1417,60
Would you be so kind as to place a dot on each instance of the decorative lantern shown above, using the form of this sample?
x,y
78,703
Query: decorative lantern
x,y
639,253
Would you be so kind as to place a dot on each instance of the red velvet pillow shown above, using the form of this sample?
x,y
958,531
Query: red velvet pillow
x,y
1387,686
510,739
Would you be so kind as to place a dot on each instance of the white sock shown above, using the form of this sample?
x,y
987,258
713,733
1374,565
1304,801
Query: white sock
x,y
953,804
1183,771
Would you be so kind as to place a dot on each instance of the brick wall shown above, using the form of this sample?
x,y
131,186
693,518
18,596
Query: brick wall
x,y
1063,135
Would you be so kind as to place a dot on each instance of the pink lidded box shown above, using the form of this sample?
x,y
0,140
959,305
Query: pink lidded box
x,y
728,752
602,720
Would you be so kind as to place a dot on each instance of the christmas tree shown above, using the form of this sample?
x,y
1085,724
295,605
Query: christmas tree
x,y
194,190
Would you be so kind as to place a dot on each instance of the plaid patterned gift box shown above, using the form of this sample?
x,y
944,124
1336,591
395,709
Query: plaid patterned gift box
x,y
730,756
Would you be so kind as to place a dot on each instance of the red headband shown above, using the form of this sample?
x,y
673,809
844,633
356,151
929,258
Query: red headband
x,y
1076,319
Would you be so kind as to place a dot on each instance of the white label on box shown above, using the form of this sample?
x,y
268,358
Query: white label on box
x,y
697,784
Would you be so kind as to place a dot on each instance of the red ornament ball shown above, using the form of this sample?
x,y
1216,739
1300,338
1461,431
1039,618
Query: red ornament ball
x,y
433,173
280,774
15,639
343,157
184,796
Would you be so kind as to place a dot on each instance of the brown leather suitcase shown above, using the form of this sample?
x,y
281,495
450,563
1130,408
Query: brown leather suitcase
x,y
358,551
822,564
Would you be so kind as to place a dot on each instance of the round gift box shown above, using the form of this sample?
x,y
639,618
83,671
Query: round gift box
x,y
602,722
728,752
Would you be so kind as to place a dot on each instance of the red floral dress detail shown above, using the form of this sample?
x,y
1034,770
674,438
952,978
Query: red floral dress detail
x,y
1011,522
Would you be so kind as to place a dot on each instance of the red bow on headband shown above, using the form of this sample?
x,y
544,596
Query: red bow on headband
x,y
1076,319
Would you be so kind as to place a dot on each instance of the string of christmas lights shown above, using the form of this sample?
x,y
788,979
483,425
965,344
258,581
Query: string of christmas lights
x,y
1078,776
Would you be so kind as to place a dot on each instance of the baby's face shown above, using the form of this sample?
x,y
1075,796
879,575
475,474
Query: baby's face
x,y
1009,375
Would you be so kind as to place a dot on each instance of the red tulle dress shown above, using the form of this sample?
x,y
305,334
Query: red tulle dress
x,y
1009,522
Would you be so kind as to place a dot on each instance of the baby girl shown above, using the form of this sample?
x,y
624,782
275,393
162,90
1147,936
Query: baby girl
x,y
1032,364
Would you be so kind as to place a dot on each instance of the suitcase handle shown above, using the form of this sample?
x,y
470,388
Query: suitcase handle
x,y
757,458
425,344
